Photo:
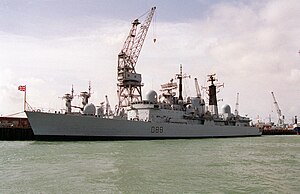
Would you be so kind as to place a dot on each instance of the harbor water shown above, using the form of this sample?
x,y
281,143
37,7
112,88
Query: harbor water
x,y
267,164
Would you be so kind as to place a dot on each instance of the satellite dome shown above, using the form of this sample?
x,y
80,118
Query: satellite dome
x,y
89,109
151,96
226,109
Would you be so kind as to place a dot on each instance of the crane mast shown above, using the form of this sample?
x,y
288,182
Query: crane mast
x,y
236,111
280,117
108,110
197,88
130,82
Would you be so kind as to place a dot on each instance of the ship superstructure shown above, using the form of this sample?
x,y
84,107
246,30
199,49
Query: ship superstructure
x,y
171,109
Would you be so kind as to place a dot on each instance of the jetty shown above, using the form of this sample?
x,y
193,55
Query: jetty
x,y
14,128
279,132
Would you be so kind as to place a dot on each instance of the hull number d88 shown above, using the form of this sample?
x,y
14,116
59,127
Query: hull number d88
x,y
157,129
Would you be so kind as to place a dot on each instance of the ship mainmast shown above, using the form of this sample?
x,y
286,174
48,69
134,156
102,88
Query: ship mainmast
x,y
130,82
180,76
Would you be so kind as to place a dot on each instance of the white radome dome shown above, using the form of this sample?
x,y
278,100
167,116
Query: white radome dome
x,y
89,109
226,109
151,96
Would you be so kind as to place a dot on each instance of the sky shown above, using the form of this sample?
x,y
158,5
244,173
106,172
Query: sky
x,y
252,46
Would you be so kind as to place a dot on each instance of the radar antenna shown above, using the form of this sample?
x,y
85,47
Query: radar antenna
x,y
68,98
85,96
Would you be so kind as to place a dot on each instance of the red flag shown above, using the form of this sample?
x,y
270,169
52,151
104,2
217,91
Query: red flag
x,y
22,88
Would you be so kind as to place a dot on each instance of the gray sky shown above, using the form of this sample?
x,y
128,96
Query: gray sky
x,y
252,46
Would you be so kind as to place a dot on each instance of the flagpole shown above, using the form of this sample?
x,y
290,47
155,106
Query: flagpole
x,y
25,99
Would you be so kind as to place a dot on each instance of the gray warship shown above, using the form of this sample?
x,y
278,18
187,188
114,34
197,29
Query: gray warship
x,y
164,116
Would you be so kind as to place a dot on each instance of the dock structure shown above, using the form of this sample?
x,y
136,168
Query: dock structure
x,y
13,134
278,132
13,128
269,129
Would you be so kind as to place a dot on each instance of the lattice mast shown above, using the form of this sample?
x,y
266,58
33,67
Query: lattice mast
x,y
68,98
130,82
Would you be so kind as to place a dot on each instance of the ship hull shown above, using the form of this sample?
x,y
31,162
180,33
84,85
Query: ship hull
x,y
49,126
